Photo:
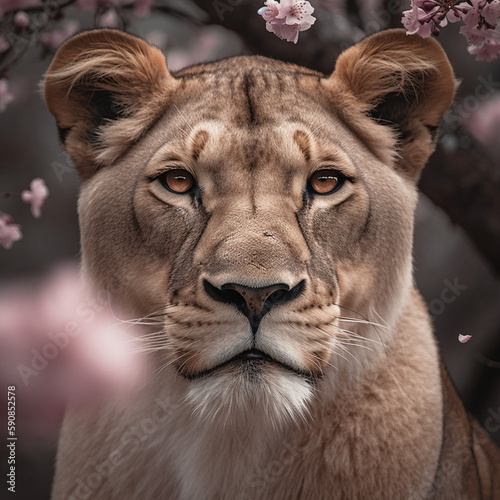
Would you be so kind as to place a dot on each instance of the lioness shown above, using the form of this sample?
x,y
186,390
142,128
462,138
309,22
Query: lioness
x,y
260,215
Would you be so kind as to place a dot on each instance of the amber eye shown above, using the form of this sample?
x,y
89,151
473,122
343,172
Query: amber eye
x,y
178,181
326,181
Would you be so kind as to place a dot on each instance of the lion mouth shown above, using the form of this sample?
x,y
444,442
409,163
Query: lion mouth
x,y
252,359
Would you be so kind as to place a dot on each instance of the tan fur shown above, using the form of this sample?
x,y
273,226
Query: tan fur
x,y
357,404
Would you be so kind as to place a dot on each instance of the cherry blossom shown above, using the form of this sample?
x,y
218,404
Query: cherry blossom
x,y
59,343
464,338
109,19
491,12
9,233
288,18
142,7
412,21
4,44
484,123
36,196
21,19
5,96
480,19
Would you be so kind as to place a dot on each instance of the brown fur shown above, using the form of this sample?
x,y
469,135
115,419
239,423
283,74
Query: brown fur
x,y
357,405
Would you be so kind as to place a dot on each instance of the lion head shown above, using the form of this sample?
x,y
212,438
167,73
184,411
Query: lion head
x,y
260,214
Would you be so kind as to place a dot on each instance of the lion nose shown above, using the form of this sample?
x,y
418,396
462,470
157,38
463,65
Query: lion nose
x,y
254,303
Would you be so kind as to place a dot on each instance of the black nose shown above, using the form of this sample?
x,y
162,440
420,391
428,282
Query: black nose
x,y
254,303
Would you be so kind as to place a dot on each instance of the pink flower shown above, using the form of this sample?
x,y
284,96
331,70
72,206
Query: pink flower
x,y
9,233
60,344
54,39
416,21
464,338
271,11
479,37
36,196
4,44
488,52
484,123
480,20
288,18
142,7
455,13
109,19
491,12
5,96
21,19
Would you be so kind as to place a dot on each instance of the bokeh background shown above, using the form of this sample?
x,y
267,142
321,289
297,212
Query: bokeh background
x,y
191,32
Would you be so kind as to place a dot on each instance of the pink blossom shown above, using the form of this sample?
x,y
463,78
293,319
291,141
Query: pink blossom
x,y
288,18
456,12
479,37
60,344
464,338
9,233
142,7
21,19
488,52
413,21
271,11
491,12
5,96
54,39
484,123
36,196
4,44
109,19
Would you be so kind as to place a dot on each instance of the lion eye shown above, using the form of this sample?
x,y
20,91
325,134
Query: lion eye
x,y
177,181
326,181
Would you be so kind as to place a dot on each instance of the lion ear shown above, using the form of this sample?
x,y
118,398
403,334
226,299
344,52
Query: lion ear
x,y
105,89
403,83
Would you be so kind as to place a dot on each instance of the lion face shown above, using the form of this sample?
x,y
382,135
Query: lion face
x,y
259,213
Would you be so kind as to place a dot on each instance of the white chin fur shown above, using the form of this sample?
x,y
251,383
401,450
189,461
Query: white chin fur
x,y
235,396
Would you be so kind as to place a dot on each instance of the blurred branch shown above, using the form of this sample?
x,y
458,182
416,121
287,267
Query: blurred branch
x,y
464,183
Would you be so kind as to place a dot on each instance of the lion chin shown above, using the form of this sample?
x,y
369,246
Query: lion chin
x,y
234,393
